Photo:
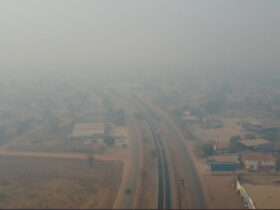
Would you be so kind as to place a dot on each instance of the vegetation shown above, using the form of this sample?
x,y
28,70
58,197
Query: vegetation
x,y
3,196
91,159
272,134
128,191
234,146
235,139
278,164
3,135
206,150
109,140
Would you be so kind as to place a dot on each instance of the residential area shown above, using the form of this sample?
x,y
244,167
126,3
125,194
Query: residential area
x,y
243,154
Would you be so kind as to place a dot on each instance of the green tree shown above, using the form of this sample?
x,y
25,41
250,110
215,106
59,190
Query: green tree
x,y
109,140
207,150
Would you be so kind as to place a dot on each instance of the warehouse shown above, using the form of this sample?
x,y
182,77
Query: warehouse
x,y
224,163
259,162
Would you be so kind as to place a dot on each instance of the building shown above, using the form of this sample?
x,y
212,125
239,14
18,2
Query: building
x,y
189,117
259,162
224,163
88,130
257,145
89,134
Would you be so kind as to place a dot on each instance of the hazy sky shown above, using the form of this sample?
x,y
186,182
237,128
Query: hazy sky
x,y
60,37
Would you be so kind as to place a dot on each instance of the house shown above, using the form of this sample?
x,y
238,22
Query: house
x,y
259,162
224,163
189,117
257,145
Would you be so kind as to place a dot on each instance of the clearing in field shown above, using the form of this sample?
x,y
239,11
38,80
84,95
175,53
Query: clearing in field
x,y
263,189
27,182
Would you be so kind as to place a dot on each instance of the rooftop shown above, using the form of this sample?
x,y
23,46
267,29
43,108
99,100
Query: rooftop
x,y
270,123
225,159
263,124
254,142
258,157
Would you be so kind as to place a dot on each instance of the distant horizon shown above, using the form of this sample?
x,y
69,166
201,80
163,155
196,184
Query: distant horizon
x,y
99,39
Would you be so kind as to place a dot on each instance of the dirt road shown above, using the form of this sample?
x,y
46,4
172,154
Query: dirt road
x,y
60,155
15,153
127,195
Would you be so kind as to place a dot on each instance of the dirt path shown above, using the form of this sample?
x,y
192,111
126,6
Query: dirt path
x,y
75,156
128,190
15,153
128,187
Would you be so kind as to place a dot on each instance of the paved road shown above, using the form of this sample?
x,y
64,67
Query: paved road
x,y
188,191
178,185
164,188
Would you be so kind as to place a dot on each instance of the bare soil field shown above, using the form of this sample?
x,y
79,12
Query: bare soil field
x,y
28,182
41,139
231,128
221,193
219,190
261,178
263,189
264,196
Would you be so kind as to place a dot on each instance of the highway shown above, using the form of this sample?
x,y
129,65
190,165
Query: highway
x,y
178,184
185,190
164,189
